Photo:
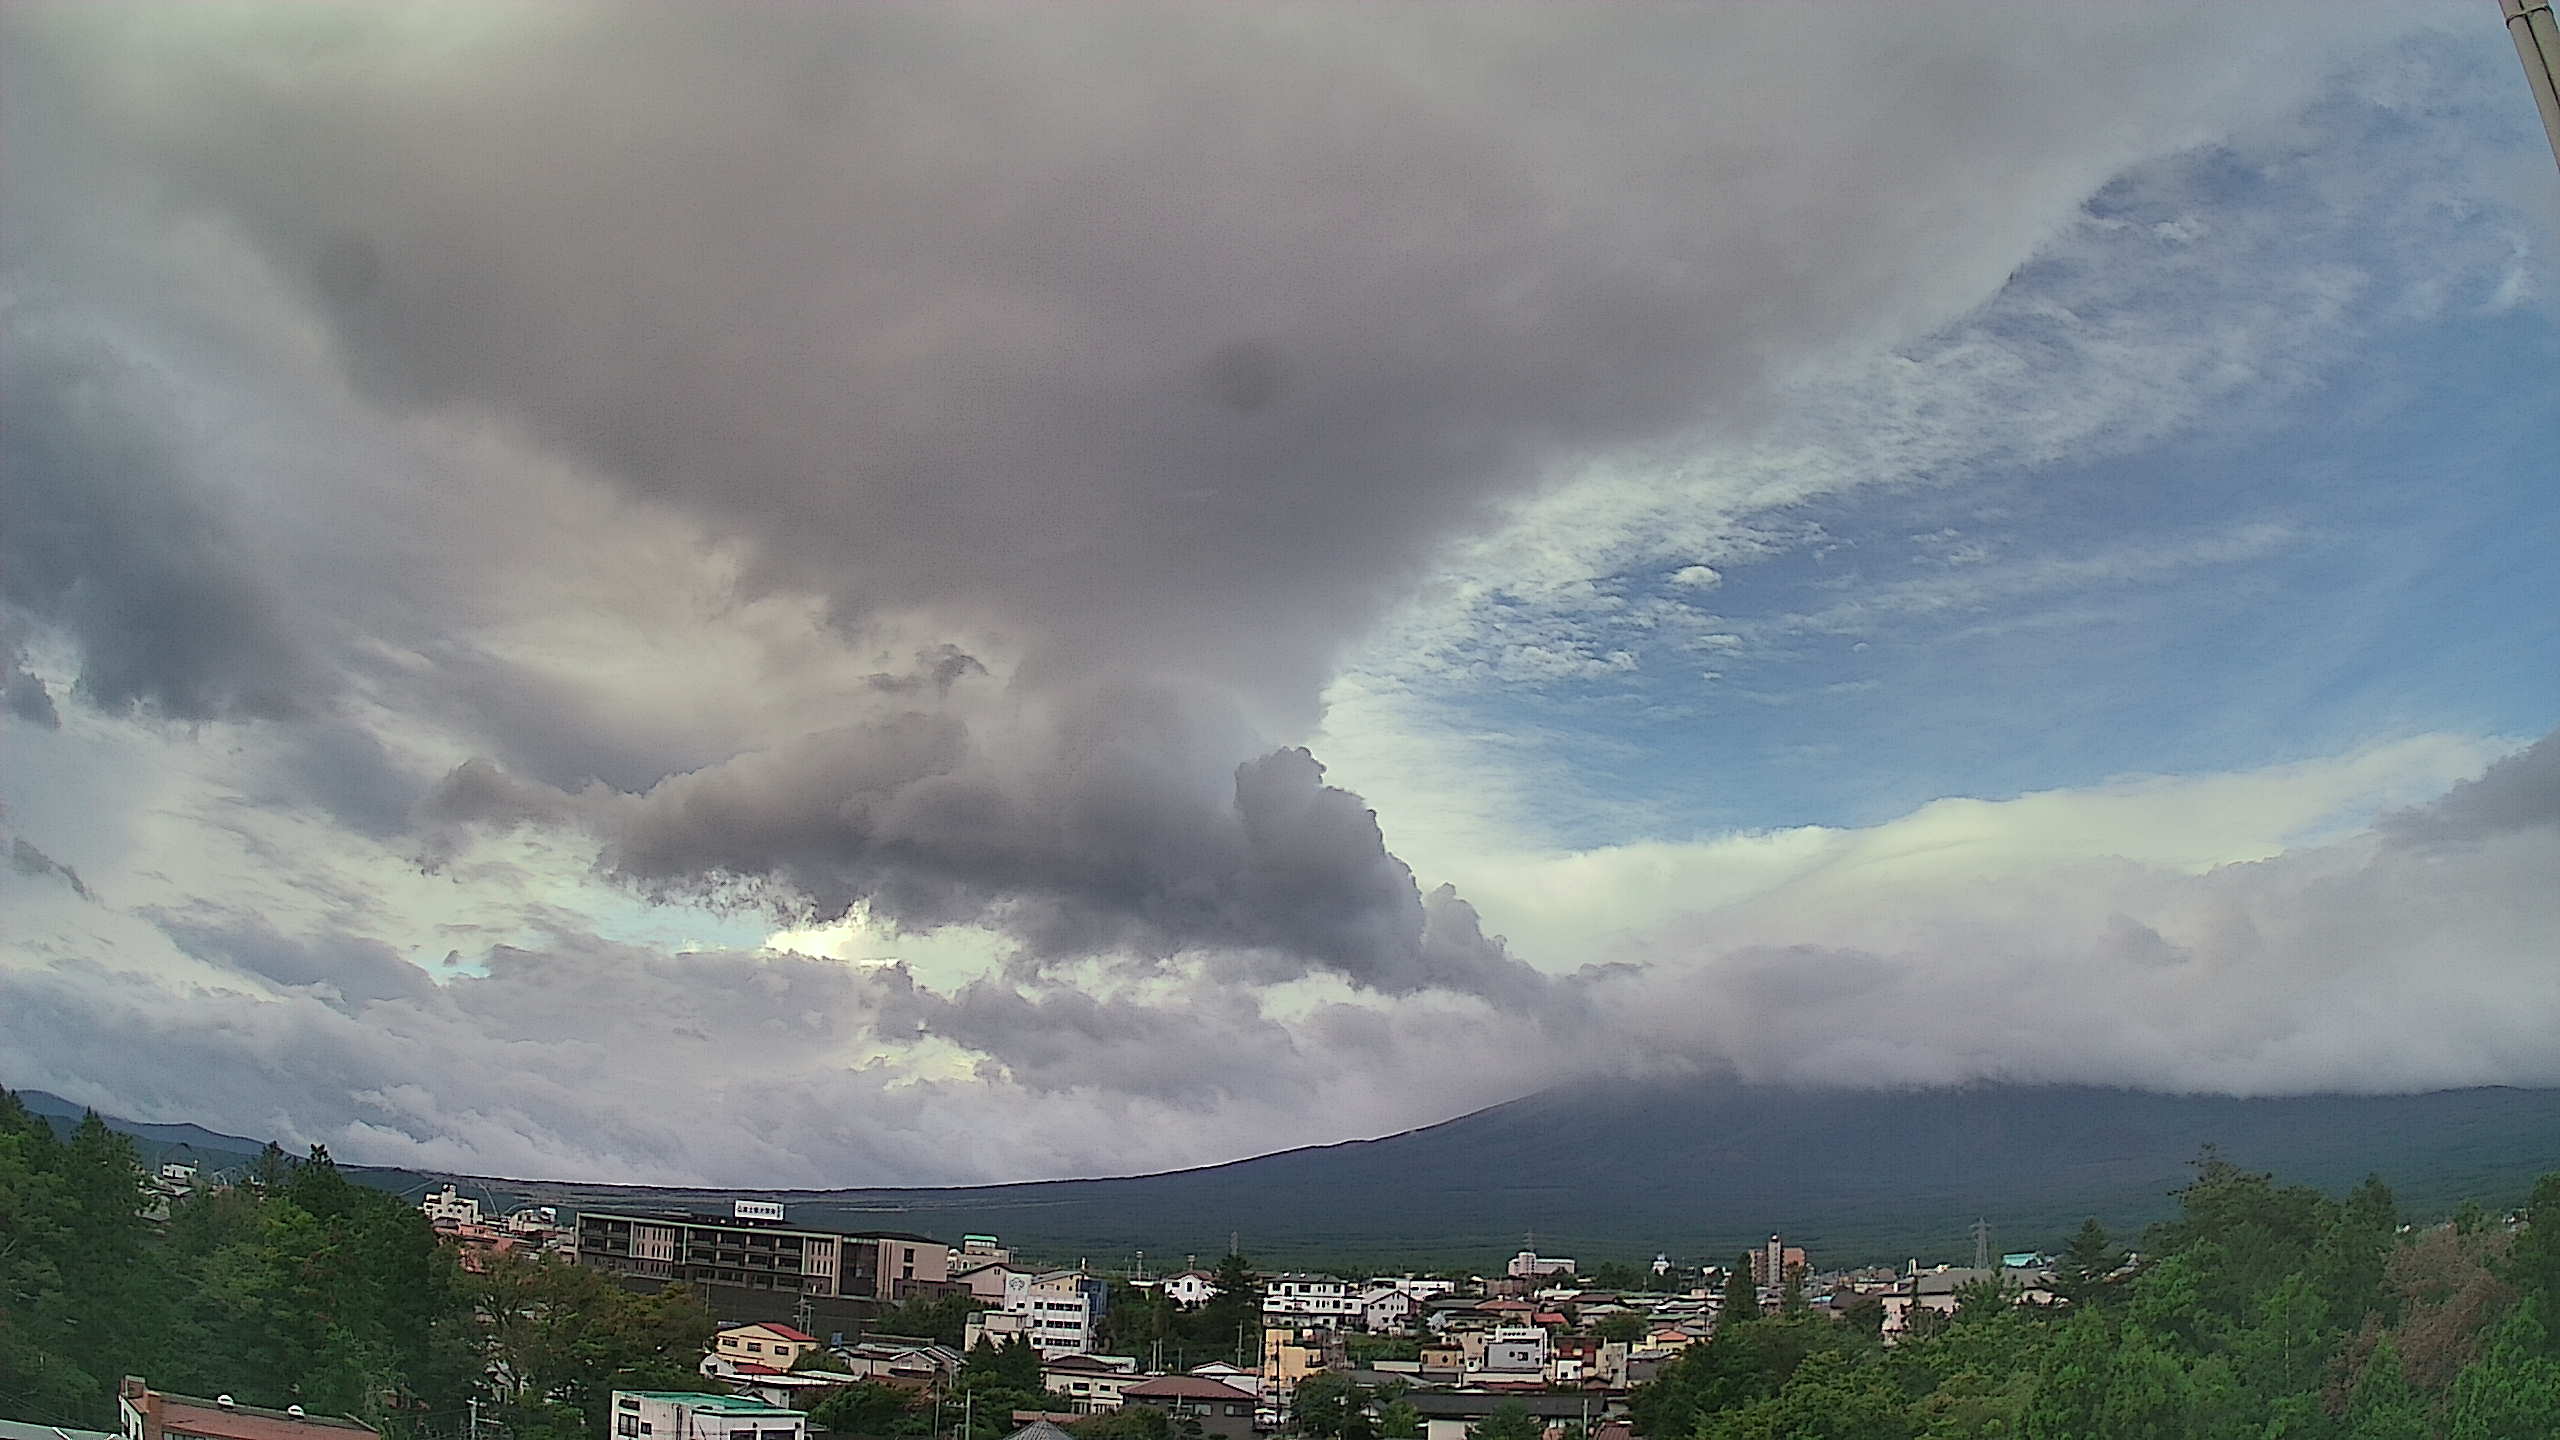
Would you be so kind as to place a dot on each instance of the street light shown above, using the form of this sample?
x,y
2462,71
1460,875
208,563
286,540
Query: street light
x,y
2537,38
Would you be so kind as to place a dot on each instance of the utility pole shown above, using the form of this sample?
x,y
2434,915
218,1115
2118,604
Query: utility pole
x,y
2537,38
1981,1244
475,1417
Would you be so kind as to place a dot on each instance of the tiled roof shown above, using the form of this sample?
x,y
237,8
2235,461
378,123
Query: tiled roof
x,y
247,1422
1184,1387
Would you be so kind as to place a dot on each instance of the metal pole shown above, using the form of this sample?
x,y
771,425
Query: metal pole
x,y
2537,38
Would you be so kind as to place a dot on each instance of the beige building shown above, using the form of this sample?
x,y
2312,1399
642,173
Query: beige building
x,y
776,1346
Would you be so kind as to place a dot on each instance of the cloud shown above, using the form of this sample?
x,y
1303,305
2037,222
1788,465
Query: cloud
x,y
2520,792
926,465
115,544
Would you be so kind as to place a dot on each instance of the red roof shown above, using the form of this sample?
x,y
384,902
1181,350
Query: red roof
x,y
797,1337
242,1422
749,1367
1184,1387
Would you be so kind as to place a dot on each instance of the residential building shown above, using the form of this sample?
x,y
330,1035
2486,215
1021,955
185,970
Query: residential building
x,y
1311,1297
1059,1312
1234,1377
1291,1353
765,1346
1448,1414
976,1250
755,1247
1423,1289
986,1279
915,1363
1773,1262
1222,1410
1385,1310
147,1414
1514,1350
681,1415
1190,1289
449,1206
1091,1384
1530,1265
1937,1290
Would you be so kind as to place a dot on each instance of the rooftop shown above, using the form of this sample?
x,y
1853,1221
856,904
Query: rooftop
x,y
191,1416
1183,1387
29,1430
727,1404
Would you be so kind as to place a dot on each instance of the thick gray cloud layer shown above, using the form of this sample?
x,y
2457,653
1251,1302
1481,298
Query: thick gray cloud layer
x,y
385,388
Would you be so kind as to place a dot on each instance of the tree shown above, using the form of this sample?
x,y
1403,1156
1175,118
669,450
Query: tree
x,y
1741,1295
870,1407
1616,1275
1012,1364
2515,1385
1399,1421
1510,1420
2085,1272
1327,1406
1620,1329
2385,1405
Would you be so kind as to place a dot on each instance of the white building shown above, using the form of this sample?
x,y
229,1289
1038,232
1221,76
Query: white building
x,y
449,1207
1385,1310
1423,1289
678,1415
1530,1265
1059,1312
1512,1350
1311,1297
1190,1289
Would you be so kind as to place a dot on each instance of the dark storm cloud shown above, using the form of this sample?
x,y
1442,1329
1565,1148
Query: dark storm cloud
x,y
110,539
2520,792
1162,338
351,969
27,860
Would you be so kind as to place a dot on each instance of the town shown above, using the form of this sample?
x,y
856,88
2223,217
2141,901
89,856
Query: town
x,y
282,1300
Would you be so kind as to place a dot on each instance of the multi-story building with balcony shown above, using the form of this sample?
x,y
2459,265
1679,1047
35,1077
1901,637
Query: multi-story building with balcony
x,y
757,1248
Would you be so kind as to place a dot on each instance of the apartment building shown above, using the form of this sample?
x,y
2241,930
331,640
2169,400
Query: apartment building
x,y
1311,1297
755,1246
680,1415
1059,1312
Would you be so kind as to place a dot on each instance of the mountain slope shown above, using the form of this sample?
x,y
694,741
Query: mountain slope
x,y
1702,1169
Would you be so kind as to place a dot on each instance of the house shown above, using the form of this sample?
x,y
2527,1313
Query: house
x,y
681,1415
1530,1265
1190,1289
756,1248
915,1363
1938,1290
1513,1351
449,1206
1041,1428
1222,1410
1423,1289
1448,1414
986,1279
1385,1310
148,1414
1310,1297
1091,1384
764,1345
1059,1312
976,1250
1291,1353
1233,1376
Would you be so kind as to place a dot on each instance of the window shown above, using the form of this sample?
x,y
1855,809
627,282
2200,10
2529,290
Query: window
x,y
626,1425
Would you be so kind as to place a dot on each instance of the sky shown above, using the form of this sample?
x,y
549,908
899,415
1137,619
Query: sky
x,y
915,595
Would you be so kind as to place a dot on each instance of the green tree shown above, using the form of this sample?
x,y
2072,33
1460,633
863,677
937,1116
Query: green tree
x,y
1399,1420
2084,1273
1619,1329
1831,1396
1741,1296
2385,1406
2515,1384
1010,1364
870,1407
